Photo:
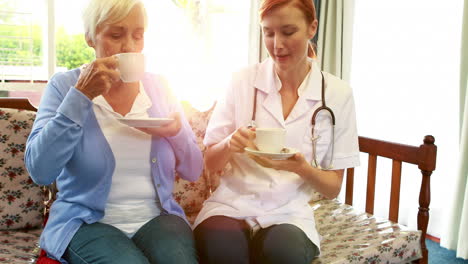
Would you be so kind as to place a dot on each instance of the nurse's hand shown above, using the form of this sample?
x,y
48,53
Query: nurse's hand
x,y
168,130
293,164
242,138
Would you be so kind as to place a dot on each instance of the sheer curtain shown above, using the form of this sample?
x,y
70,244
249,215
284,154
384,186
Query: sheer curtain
x,y
334,45
457,228
255,34
405,73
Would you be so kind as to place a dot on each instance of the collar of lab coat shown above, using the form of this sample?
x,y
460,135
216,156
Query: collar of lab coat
x,y
309,93
266,77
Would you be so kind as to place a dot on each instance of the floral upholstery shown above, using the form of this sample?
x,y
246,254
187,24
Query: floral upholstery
x,y
191,195
348,236
19,246
21,200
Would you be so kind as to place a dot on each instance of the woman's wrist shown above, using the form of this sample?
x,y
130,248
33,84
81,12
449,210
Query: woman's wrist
x,y
303,169
227,146
85,92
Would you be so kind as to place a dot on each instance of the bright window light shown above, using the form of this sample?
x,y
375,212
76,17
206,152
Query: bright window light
x,y
405,78
195,44
197,48
22,30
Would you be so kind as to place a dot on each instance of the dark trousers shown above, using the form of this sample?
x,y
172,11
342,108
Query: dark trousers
x,y
164,239
220,239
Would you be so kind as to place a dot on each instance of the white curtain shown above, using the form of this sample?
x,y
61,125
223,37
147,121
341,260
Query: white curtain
x,y
456,233
255,34
334,44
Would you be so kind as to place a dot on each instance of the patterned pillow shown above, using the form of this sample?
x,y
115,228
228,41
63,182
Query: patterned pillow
x,y
191,195
21,200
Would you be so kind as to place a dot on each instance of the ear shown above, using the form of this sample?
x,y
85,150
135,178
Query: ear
x,y
312,29
89,41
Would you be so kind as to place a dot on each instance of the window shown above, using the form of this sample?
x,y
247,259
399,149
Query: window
x,y
71,49
196,44
21,38
405,78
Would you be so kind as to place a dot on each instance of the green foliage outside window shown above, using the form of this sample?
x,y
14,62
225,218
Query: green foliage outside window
x,y
71,50
16,47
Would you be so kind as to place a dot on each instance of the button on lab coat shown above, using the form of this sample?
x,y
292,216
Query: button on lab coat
x,y
264,196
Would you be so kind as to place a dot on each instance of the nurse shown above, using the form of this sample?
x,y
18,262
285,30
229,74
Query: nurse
x,y
260,211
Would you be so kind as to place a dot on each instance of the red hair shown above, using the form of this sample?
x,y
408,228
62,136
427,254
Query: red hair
x,y
306,6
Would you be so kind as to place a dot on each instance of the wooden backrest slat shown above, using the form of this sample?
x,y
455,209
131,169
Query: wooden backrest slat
x,y
349,186
17,103
395,191
371,171
389,150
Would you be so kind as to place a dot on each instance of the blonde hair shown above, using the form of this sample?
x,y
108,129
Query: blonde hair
x,y
99,12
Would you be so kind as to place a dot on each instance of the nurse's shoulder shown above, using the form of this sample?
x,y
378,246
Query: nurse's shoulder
x,y
247,74
336,88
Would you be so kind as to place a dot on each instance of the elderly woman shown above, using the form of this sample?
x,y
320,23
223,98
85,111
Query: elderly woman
x,y
114,203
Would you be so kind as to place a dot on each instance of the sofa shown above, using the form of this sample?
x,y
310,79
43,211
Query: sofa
x,y
348,235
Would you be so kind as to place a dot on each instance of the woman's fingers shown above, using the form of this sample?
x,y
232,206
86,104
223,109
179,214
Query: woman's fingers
x,y
110,62
236,146
247,133
261,160
112,74
292,164
98,77
243,138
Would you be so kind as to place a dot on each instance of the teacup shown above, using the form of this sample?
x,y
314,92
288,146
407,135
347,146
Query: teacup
x,y
271,140
131,66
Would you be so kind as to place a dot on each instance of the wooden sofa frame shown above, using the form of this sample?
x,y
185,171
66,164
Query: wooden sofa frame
x,y
423,156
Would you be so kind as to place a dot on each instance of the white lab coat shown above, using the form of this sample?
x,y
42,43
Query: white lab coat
x,y
266,196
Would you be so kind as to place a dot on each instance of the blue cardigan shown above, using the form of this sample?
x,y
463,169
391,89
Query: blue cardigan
x,y
66,145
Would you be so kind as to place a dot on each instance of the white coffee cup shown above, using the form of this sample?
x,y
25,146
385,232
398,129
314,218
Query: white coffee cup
x,y
271,140
131,66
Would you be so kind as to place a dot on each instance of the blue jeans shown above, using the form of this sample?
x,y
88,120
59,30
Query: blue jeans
x,y
225,240
164,239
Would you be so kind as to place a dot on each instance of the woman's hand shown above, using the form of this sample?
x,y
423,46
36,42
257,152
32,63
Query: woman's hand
x,y
293,164
327,182
168,130
242,138
98,77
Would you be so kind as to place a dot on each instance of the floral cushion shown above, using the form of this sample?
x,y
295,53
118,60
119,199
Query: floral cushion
x,y
352,237
21,200
19,246
191,195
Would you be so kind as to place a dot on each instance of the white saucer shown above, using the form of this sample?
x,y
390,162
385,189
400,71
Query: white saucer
x,y
145,122
288,152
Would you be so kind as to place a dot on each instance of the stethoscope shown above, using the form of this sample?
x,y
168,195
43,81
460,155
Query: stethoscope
x,y
314,138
